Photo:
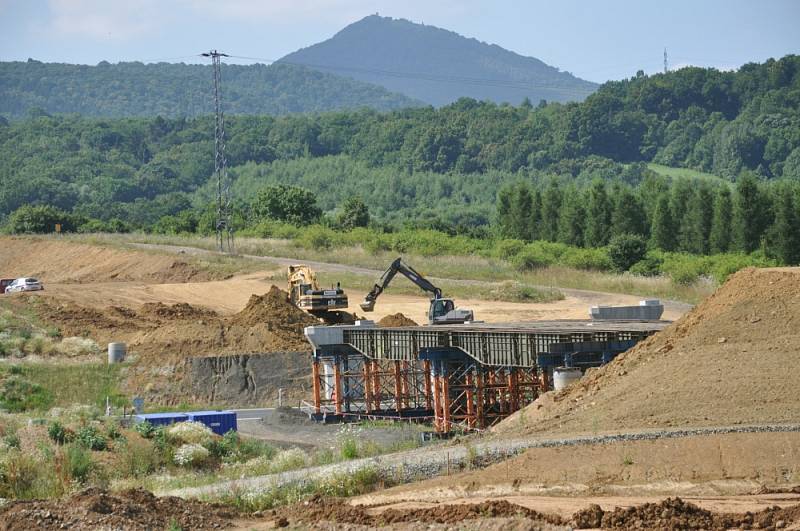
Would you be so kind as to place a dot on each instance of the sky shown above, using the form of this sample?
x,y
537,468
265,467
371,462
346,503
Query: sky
x,y
595,40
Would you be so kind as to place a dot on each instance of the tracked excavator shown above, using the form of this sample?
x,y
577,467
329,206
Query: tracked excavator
x,y
305,293
441,310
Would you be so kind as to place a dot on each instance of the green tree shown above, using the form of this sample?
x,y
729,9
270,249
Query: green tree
x,y
749,216
40,219
628,216
720,238
699,219
551,208
662,231
355,213
626,250
784,235
598,215
572,220
289,204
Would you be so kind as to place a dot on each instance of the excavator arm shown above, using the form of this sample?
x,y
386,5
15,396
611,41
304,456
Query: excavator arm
x,y
398,267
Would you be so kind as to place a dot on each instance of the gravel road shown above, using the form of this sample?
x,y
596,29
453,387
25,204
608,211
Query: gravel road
x,y
428,462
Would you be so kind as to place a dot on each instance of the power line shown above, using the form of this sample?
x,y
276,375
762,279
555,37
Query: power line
x,y
223,223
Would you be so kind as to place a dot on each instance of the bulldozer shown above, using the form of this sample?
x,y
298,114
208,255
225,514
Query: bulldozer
x,y
305,293
441,310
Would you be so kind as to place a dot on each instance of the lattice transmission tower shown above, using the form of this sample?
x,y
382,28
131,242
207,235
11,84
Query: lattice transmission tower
x,y
224,228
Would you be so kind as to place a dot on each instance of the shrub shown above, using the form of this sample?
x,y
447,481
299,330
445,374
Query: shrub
x,y
625,250
138,457
90,438
289,460
190,455
349,448
648,266
58,433
535,256
11,440
508,249
189,432
587,259
79,462
145,429
317,237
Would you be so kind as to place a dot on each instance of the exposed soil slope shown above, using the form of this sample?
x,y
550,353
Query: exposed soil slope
x,y
63,261
734,359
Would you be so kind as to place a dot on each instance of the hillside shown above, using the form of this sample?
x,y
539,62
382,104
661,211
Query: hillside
x,y
173,90
436,65
731,360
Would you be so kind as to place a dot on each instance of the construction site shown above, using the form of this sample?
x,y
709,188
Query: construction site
x,y
560,414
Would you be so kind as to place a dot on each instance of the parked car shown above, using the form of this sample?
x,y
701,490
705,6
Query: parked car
x,y
24,284
4,283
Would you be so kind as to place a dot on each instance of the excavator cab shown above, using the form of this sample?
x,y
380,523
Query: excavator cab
x,y
439,308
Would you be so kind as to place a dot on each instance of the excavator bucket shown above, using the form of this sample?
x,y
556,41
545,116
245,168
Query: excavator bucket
x,y
367,306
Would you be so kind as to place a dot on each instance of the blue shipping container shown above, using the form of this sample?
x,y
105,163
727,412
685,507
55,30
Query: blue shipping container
x,y
220,422
162,419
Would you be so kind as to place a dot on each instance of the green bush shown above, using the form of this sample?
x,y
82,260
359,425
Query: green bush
x,y
91,439
79,462
587,259
317,237
508,249
349,448
145,429
648,266
58,433
625,250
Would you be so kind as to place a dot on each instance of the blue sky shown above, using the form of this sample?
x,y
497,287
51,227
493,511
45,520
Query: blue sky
x,y
595,40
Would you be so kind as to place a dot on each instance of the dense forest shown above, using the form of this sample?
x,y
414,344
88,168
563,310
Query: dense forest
x,y
177,90
437,66
448,168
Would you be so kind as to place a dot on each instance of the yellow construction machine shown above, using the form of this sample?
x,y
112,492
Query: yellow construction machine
x,y
305,293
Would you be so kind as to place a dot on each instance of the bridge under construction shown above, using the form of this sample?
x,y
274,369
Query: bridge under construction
x,y
465,376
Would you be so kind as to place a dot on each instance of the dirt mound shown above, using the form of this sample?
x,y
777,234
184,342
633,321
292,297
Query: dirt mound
x,y
65,261
396,320
180,310
274,308
674,513
98,509
337,510
731,360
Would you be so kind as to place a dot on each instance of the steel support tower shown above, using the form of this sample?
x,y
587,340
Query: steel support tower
x,y
223,226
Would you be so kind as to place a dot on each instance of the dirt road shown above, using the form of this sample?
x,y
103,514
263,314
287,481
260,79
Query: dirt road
x,y
100,277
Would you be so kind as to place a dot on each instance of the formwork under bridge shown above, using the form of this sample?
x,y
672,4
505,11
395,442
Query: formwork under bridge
x,y
466,376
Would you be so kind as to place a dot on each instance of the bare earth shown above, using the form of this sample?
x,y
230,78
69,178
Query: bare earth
x,y
733,360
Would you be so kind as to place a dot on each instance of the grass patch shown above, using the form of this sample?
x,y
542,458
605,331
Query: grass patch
x,y
67,384
685,173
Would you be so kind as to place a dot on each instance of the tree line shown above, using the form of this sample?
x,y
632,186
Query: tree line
x,y
692,216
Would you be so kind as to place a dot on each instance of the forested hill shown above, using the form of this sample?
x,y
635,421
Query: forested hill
x,y
172,90
416,163
438,66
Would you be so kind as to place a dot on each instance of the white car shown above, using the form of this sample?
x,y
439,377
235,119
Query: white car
x,y
24,284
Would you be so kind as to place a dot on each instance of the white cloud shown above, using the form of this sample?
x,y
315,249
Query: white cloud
x,y
99,19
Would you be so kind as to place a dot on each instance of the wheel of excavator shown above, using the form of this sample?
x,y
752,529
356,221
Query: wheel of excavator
x,y
334,318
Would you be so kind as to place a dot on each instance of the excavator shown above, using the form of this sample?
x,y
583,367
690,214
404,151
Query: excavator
x,y
305,293
441,310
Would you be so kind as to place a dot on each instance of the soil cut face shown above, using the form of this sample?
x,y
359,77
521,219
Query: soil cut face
x,y
97,509
396,320
734,359
71,262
